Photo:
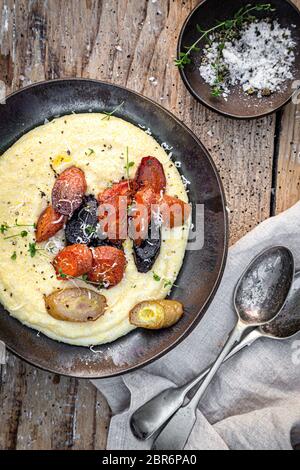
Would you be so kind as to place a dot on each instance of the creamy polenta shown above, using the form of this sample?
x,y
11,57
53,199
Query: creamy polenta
x,y
97,145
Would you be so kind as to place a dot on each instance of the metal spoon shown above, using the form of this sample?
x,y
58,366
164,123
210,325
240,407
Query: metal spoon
x,y
259,296
151,416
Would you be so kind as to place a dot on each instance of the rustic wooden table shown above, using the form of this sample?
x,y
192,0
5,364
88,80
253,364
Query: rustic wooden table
x,y
127,42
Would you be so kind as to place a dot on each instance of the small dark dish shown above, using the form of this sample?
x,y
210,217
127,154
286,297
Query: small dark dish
x,y
238,104
202,269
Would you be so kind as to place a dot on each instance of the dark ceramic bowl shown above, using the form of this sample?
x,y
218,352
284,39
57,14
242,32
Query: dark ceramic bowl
x,y
238,104
202,269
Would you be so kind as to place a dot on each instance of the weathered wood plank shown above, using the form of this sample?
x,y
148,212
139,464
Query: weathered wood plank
x,y
126,42
287,188
288,170
44,411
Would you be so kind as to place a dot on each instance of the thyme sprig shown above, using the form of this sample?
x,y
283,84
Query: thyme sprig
x,y
229,27
128,165
68,276
5,227
33,250
23,225
22,234
108,115
83,278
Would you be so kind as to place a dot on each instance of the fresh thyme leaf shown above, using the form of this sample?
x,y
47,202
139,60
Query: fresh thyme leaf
x,y
228,24
90,152
108,115
167,283
62,274
32,249
89,229
216,91
128,164
265,7
156,277
3,228
14,256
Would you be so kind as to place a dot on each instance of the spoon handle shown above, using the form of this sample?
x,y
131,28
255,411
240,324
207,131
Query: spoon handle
x,y
176,433
151,416
2,360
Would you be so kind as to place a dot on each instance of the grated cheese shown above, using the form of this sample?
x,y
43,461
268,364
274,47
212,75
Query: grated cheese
x,y
185,181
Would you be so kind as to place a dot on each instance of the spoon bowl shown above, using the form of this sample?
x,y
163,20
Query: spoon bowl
x,y
287,324
264,286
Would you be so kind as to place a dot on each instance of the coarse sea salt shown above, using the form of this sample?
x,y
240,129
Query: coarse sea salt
x,y
260,59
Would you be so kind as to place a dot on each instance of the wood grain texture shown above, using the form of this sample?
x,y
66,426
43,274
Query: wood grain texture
x,y
288,159
288,167
130,43
45,411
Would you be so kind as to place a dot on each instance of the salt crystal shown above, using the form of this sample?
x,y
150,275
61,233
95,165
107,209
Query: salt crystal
x,y
153,81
